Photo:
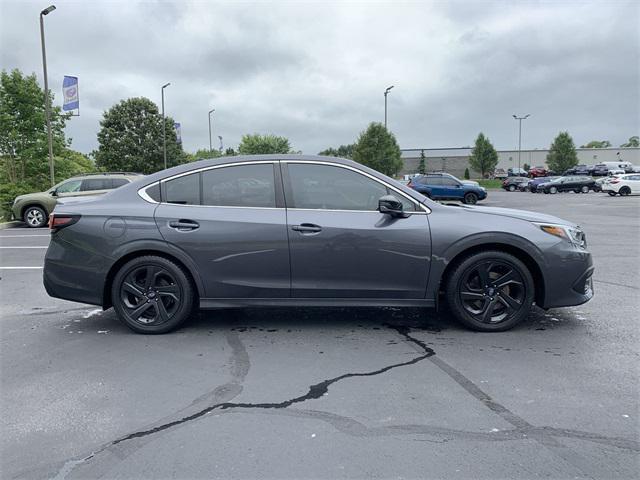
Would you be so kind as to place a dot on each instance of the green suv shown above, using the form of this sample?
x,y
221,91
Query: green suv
x,y
34,208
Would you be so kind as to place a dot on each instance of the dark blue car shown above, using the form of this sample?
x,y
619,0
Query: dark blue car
x,y
447,187
534,183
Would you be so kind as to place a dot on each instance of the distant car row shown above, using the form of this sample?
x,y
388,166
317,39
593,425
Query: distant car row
x,y
599,170
623,184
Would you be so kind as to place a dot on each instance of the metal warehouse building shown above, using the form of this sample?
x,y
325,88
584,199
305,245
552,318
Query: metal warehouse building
x,y
455,160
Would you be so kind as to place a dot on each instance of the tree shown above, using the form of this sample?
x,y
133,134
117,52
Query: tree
x,y
205,153
257,144
377,148
633,142
484,157
467,176
230,152
597,144
562,153
24,148
343,151
130,138
422,166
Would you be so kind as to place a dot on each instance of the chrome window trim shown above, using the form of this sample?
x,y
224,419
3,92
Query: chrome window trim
x,y
347,167
142,192
349,211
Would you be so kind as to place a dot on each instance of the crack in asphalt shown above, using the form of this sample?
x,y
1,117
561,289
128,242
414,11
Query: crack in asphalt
x,y
546,436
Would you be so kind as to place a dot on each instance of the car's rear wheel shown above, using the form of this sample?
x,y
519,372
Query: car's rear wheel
x,y
490,291
512,188
553,190
584,189
152,295
470,198
611,193
35,217
625,191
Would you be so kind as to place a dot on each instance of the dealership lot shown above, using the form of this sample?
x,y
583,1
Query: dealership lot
x,y
326,393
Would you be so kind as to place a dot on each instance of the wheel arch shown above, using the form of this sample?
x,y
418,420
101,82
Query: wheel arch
x,y
178,259
516,251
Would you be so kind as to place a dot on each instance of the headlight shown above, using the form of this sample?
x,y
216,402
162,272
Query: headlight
x,y
571,234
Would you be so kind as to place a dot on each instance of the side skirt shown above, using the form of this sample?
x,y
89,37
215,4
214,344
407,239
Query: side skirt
x,y
212,303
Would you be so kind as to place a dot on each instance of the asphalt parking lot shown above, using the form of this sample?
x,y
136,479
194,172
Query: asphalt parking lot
x,y
328,393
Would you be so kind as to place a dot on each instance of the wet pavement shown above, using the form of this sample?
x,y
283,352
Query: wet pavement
x,y
328,393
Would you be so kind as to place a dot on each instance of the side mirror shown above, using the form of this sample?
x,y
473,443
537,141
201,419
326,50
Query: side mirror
x,y
391,206
54,193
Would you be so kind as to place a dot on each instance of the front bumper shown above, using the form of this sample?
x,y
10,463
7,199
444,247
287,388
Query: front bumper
x,y
568,277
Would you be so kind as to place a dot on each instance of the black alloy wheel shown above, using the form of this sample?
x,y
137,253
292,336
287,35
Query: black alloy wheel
x,y
470,198
152,295
490,291
625,191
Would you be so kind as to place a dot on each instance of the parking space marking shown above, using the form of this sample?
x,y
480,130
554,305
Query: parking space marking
x,y
20,268
23,236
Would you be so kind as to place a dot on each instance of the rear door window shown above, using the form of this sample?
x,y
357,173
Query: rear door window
x,y
183,190
118,182
91,184
239,186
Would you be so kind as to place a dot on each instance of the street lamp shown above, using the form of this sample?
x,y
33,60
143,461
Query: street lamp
x,y
164,130
520,135
210,142
47,100
386,92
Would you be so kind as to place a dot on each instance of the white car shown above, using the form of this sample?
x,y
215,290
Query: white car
x,y
623,185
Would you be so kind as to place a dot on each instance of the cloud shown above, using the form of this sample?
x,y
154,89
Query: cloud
x,y
315,72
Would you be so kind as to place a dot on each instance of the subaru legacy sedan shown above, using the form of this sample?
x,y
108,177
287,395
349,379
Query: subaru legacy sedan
x,y
294,230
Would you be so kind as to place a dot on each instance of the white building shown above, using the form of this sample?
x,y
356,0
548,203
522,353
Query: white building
x,y
456,160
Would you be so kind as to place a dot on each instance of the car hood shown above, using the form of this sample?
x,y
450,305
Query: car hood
x,y
32,196
470,182
519,214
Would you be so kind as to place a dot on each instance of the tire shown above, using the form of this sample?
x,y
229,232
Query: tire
x,y
35,217
470,198
494,308
553,190
584,189
546,192
512,188
577,190
624,191
611,193
152,295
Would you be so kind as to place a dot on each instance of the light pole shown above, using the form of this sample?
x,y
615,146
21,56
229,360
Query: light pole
x,y
520,136
210,143
221,146
47,100
386,92
164,130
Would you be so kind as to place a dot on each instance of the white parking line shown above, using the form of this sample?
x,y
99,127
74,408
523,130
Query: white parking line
x,y
22,236
24,247
21,268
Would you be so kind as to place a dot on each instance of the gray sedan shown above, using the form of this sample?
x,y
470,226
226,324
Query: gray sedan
x,y
278,230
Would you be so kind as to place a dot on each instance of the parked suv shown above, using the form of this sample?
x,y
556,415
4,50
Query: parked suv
x,y
511,184
34,208
438,186
623,185
580,170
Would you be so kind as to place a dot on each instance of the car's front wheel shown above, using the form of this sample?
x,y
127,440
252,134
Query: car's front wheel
x,y
470,198
152,295
35,217
553,190
625,191
512,188
490,291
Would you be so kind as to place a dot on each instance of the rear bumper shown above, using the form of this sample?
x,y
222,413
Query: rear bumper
x,y
71,273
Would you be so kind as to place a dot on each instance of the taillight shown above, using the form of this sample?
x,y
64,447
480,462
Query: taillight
x,y
61,220
615,180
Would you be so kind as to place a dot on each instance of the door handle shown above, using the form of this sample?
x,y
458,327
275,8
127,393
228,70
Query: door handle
x,y
184,224
307,228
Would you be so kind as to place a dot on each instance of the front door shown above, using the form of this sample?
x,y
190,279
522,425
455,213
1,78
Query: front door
x,y
230,220
342,247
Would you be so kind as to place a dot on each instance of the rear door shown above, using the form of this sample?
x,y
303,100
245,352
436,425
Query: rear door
x,y
341,246
230,219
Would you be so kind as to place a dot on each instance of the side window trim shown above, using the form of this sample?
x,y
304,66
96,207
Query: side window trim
x,y
142,192
419,208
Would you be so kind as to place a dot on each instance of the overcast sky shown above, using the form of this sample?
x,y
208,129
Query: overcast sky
x,y
315,72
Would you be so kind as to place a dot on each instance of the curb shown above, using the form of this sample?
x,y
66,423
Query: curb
x,y
9,224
